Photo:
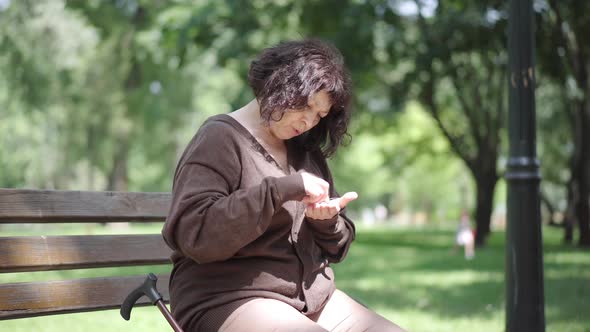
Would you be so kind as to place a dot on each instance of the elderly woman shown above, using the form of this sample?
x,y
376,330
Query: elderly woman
x,y
255,221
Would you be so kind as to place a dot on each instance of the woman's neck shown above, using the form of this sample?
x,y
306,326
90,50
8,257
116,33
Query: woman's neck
x,y
249,117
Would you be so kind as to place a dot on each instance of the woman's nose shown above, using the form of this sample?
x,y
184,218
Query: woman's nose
x,y
306,123
308,119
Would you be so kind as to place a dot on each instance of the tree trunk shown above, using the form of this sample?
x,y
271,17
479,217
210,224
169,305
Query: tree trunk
x,y
485,185
550,210
118,179
583,167
569,217
573,42
90,146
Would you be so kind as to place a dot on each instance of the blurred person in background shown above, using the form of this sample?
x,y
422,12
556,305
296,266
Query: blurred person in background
x,y
465,236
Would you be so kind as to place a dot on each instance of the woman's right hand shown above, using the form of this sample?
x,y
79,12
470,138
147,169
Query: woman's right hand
x,y
316,189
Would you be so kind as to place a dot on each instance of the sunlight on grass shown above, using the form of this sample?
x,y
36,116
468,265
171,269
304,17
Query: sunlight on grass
x,y
452,279
142,319
80,229
568,257
83,273
422,321
579,272
413,277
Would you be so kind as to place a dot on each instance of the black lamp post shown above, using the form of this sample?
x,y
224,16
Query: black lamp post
x,y
525,308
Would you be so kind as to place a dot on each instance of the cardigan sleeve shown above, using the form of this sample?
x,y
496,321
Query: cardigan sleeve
x,y
210,219
334,236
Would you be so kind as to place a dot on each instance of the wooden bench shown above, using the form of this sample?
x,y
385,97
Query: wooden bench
x,y
48,253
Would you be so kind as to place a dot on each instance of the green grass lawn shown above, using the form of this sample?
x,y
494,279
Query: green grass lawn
x,y
415,279
410,276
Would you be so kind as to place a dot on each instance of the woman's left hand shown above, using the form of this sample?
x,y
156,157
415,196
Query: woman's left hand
x,y
329,209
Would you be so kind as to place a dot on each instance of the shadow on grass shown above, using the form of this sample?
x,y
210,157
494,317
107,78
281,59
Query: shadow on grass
x,y
568,299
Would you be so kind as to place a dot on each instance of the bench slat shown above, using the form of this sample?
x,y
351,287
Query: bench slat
x,y
20,300
51,206
43,253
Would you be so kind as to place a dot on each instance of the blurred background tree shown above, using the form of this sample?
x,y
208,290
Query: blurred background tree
x,y
104,95
564,59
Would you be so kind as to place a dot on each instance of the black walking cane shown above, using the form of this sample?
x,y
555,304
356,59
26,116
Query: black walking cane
x,y
148,288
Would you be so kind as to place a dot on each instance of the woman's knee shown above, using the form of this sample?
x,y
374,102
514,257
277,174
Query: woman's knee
x,y
343,313
268,315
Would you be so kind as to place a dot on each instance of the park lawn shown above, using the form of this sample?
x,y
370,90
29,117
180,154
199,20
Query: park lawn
x,y
410,275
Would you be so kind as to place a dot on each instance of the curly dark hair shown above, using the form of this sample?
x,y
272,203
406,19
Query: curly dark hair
x,y
284,76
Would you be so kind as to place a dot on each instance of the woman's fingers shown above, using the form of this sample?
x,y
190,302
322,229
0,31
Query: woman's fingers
x,y
327,210
322,210
317,189
347,198
320,206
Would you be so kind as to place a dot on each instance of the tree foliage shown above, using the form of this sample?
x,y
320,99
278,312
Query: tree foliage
x,y
105,94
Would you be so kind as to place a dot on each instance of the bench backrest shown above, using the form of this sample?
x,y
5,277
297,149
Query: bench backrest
x,y
45,253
